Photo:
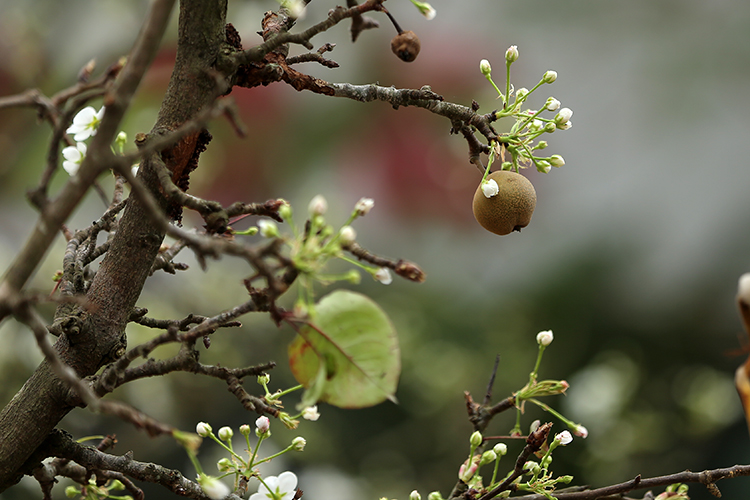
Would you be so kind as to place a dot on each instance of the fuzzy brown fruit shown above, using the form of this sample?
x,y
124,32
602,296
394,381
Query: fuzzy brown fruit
x,y
511,208
406,46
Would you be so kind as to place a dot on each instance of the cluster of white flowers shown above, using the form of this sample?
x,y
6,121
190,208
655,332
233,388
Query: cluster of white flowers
x,y
84,126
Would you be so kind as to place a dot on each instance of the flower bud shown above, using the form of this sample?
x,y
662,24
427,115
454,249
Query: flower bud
x,y
383,275
285,211
347,235
566,125
414,495
556,161
545,338
363,206
542,145
500,449
563,116
476,439
543,166
224,465
318,206
581,431
552,104
72,491
511,55
245,430
212,487
353,277
488,457
226,433
426,9
203,429
434,495
299,443
264,379
262,425
521,93
550,127
268,228
550,76
564,438
484,67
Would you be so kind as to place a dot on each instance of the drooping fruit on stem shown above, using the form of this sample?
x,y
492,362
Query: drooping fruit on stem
x,y
508,210
406,46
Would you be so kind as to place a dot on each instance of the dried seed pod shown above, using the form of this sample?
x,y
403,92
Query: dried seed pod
x,y
406,46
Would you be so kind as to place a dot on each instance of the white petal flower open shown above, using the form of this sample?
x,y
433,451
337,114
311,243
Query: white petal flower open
x,y
279,488
85,123
73,157
311,413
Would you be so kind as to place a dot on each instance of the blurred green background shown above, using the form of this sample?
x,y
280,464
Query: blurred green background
x,y
632,257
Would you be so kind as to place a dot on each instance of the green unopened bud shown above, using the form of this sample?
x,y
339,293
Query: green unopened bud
x,y
565,479
72,491
188,440
550,127
264,379
542,145
521,93
414,495
484,67
285,211
543,166
353,276
475,439
224,465
245,430
434,495
487,458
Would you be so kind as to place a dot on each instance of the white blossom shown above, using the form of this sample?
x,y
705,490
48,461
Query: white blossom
x,y
383,275
563,116
363,206
318,205
299,443
564,438
581,431
311,413
203,429
511,55
347,235
545,338
226,433
268,228
484,67
212,487
85,123
262,424
490,188
73,155
281,487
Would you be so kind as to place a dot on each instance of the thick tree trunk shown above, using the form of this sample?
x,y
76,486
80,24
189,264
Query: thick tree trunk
x,y
35,410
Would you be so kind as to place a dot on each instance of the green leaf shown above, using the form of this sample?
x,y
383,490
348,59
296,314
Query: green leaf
x,y
349,356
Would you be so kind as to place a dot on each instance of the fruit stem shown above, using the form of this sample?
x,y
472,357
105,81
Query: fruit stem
x,y
393,20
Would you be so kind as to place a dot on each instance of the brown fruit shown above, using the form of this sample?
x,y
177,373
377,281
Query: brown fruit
x,y
511,208
406,46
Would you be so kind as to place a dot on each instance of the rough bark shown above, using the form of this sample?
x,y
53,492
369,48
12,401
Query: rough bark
x,y
35,410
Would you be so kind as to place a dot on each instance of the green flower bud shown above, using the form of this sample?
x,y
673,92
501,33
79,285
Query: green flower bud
x,y
475,439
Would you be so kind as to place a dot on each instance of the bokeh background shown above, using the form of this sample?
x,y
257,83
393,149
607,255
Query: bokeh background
x,y
632,257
